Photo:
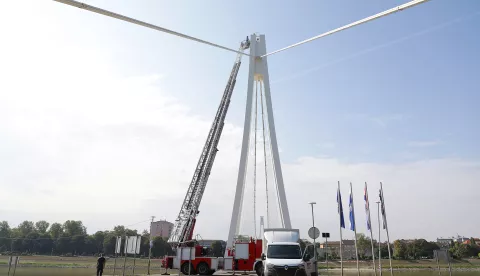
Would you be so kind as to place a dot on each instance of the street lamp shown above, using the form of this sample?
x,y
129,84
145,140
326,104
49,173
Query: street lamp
x,y
314,238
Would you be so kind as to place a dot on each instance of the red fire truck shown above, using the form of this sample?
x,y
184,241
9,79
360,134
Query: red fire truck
x,y
192,260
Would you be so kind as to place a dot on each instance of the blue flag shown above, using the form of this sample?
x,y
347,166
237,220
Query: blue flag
x,y
340,209
352,213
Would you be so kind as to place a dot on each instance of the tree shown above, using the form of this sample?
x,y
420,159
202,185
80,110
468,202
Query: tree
x,y
45,244
399,249
90,246
145,245
412,251
424,248
56,230
472,241
384,249
5,233
474,250
120,230
16,245
29,244
77,244
161,247
364,245
109,243
74,228
217,249
4,229
42,226
98,240
459,250
26,228
63,245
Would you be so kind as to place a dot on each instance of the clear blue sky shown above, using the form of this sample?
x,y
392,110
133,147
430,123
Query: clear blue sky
x,y
394,100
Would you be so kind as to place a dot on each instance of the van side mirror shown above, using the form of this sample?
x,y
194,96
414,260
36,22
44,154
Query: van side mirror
x,y
306,257
263,257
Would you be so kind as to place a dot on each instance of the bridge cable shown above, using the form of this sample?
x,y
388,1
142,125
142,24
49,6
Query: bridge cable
x,y
264,153
359,22
141,23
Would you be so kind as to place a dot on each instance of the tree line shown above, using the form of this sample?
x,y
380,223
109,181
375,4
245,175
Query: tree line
x,y
404,249
70,238
420,248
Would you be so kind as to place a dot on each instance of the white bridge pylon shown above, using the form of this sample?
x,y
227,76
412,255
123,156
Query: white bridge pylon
x,y
258,76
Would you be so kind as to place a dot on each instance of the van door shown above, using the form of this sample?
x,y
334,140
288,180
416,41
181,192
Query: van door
x,y
309,260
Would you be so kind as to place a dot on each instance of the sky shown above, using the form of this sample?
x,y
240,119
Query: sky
x,y
103,121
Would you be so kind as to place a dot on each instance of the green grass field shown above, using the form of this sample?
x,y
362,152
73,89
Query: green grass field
x,y
82,263
52,265
405,264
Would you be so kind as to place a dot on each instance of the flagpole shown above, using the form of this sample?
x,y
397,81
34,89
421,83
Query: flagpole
x,y
339,200
379,242
386,227
369,224
352,220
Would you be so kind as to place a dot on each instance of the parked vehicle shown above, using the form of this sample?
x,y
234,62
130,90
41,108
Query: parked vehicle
x,y
282,254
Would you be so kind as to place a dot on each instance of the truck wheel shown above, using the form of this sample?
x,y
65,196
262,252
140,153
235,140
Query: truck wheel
x,y
203,268
259,269
185,268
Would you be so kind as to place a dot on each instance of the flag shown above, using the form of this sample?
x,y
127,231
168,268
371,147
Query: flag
x,y
382,208
367,207
340,209
352,212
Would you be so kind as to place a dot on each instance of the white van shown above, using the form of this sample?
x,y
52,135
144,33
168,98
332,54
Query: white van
x,y
282,254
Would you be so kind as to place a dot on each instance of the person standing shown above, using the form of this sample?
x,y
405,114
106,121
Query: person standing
x,y
100,265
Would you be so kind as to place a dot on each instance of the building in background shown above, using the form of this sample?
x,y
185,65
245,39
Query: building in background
x,y
348,249
472,242
461,239
444,242
161,228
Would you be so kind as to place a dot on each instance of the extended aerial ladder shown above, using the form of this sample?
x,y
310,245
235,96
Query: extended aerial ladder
x,y
184,224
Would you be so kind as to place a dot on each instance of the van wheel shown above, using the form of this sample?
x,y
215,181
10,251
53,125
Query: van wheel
x,y
259,269
185,267
203,268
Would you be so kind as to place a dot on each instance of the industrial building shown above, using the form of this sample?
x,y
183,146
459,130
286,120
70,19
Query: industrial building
x,y
161,228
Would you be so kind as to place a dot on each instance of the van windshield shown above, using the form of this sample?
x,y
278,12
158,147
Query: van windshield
x,y
284,251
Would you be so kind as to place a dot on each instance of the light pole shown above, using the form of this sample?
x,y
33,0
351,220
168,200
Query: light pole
x,y
314,243
379,243
150,246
